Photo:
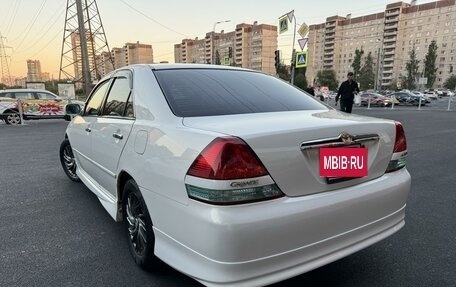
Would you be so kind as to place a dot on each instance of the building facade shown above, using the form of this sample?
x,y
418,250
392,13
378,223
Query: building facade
x,y
389,36
34,71
249,46
132,53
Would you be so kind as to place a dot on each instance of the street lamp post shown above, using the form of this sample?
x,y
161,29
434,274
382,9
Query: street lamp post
x,y
213,35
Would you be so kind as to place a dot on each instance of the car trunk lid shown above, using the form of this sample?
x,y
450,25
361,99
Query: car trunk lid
x,y
288,144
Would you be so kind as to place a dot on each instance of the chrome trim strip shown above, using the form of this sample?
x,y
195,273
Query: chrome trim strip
x,y
339,141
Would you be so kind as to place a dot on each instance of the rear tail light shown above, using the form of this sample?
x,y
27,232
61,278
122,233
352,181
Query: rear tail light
x,y
398,159
227,171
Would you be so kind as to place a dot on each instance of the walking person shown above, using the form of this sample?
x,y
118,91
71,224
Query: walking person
x,y
346,93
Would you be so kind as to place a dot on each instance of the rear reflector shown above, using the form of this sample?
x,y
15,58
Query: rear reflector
x,y
234,196
398,159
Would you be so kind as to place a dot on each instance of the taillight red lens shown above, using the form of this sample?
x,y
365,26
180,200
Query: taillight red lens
x,y
227,158
401,142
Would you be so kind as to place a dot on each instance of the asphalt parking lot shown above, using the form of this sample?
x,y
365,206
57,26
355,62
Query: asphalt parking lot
x,y
54,232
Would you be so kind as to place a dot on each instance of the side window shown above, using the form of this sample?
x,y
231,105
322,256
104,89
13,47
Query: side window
x,y
24,96
117,98
94,104
45,96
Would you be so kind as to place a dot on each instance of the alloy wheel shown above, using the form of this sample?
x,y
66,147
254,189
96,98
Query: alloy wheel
x,y
13,119
136,224
69,161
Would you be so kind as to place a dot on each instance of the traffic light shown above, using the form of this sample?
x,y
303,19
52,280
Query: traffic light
x,y
230,52
277,60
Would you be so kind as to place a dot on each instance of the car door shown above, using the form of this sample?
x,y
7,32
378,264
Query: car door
x,y
80,132
111,129
50,105
30,107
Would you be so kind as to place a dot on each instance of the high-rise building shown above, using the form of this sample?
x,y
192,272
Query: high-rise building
x,y
249,46
33,71
77,55
132,53
389,36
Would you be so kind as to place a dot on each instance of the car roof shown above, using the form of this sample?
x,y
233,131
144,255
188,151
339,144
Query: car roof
x,y
24,90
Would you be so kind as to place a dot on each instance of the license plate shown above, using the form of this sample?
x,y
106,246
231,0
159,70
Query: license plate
x,y
343,162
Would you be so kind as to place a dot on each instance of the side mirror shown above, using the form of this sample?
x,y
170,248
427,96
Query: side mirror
x,y
72,110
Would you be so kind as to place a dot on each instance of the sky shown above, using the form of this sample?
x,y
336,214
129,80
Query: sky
x,y
33,29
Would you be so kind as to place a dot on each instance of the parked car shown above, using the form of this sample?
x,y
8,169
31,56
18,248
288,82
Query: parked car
x,y
423,96
35,104
375,99
431,95
407,98
217,172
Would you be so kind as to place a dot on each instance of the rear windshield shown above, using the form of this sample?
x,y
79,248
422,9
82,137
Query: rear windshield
x,y
209,92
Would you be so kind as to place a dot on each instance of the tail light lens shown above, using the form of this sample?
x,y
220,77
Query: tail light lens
x,y
398,159
227,171
227,158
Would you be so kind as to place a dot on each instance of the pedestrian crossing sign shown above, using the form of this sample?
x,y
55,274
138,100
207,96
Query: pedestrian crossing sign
x,y
301,59
283,25
226,61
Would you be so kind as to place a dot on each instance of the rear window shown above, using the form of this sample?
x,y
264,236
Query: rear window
x,y
208,92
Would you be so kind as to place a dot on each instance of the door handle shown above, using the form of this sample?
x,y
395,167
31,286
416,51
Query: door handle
x,y
88,130
117,136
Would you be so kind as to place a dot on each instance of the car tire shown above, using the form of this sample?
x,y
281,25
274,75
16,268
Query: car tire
x,y
12,118
68,161
138,227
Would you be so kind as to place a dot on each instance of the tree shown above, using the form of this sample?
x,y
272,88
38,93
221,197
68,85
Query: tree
x,y
367,76
412,70
327,78
284,72
300,78
356,65
450,83
430,71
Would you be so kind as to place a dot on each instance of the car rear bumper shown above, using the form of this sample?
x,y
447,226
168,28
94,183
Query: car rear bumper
x,y
262,243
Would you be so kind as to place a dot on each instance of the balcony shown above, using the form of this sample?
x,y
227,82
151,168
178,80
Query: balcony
x,y
329,41
391,20
389,45
330,24
390,26
389,33
391,52
392,13
389,39
389,65
386,78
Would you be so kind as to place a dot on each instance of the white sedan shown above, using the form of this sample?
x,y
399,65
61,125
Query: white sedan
x,y
234,177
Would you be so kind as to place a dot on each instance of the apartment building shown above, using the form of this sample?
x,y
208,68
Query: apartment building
x,y
132,53
34,71
389,36
249,46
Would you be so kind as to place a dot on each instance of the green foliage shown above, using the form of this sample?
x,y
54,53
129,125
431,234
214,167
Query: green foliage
x,y
412,70
430,71
450,83
300,78
327,78
52,86
356,65
284,73
367,76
